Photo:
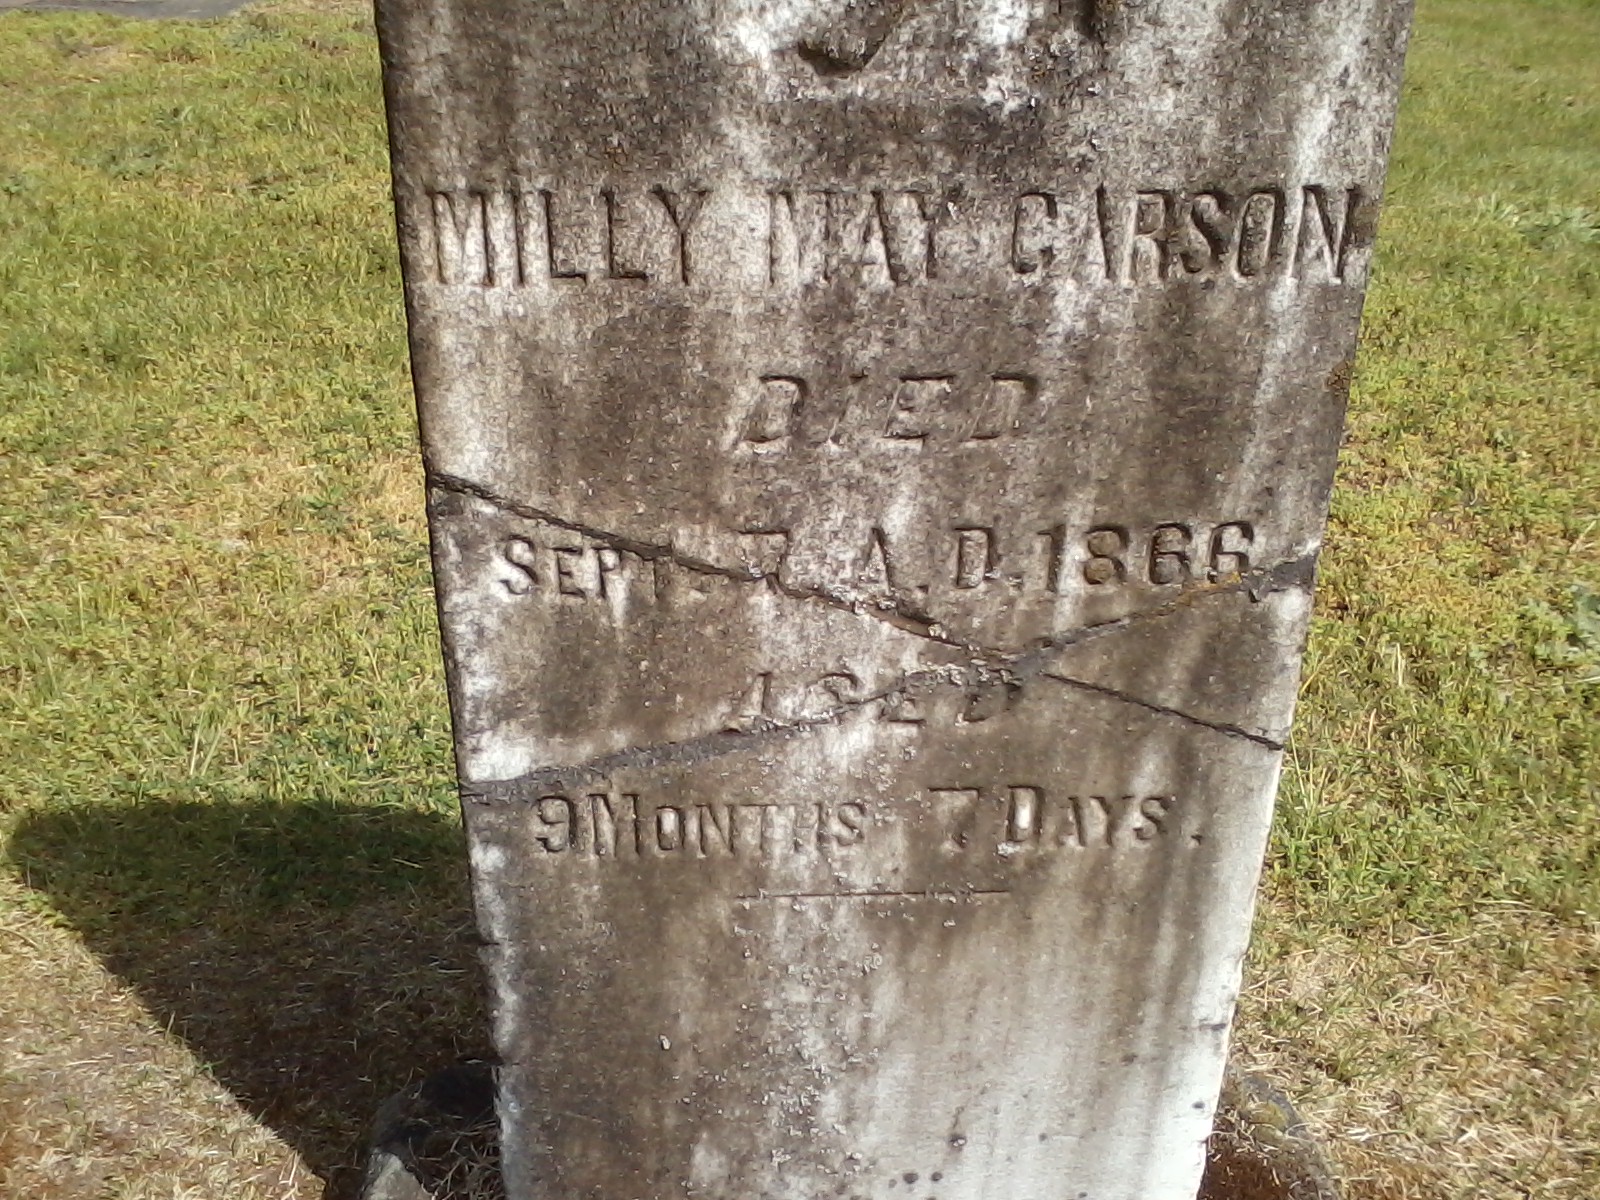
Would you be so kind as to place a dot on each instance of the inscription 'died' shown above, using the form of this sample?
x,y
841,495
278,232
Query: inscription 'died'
x,y
514,237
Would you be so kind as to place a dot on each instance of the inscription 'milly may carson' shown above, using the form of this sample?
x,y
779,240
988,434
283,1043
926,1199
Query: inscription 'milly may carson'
x,y
889,236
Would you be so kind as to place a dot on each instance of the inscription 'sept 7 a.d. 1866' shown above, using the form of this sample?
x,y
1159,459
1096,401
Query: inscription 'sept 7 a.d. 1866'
x,y
877,455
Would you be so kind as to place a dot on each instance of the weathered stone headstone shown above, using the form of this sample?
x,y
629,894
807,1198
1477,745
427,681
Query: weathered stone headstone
x,y
877,457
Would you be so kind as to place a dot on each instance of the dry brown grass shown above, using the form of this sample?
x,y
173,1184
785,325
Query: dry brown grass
x,y
98,1099
1441,1068
235,1037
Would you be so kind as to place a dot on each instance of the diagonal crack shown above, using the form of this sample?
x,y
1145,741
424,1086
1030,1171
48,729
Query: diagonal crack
x,y
1257,583
987,663
1222,727
709,746
665,552
765,731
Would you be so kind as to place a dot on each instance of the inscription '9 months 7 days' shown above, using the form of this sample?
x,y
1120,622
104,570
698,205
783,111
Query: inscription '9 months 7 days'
x,y
1004,820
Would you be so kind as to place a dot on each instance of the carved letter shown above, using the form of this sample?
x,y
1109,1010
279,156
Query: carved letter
x,y
716,828
1153,220
1033,233
1260,232
774,410
1210,220
854,242
1024,814
606,563
614,223
795,234
561,267
877,569
603,820
566,581
1004,401
852,818
1169,554
523,555
1324,234
1230,544
753,706
461,238
669,828
555,814
683,208
912,408
1106,546
977,557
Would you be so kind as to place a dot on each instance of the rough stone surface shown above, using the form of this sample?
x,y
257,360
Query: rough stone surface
x,y
437,1140
877,457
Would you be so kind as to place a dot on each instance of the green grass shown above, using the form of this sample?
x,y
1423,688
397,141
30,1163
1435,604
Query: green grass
x,y
213,586
1448,751
222,719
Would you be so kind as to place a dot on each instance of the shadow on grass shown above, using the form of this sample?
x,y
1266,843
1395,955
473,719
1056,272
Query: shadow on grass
x,y
321,957
318,957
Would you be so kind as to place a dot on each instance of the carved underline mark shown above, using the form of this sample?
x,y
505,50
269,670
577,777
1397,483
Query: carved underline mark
x,y
1258,583
1165,710
950,895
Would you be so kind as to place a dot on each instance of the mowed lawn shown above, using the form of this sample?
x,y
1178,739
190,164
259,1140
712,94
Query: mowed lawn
x,y
232,907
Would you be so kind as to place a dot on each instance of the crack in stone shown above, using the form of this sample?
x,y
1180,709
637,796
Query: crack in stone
x,y
762,731
1257,583
1010,666
690,751
666,552
1164,709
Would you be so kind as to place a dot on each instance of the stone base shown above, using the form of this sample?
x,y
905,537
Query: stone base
x,y
439,1140
1261,1149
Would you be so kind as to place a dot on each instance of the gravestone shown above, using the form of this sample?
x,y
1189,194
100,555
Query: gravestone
x,y
877,455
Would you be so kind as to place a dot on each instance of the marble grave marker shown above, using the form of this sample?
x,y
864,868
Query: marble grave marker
x,y
877,457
